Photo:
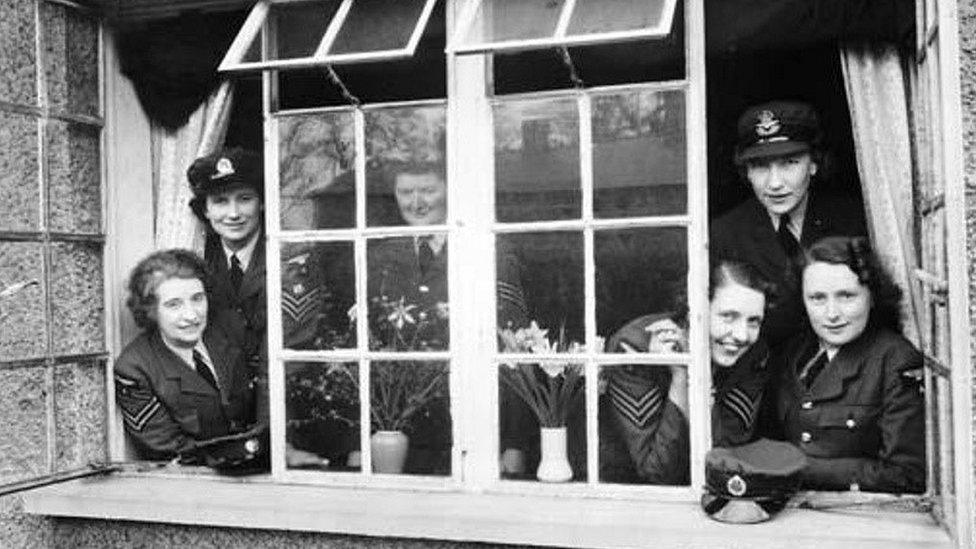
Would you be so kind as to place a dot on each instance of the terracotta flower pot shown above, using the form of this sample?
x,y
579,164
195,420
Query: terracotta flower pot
x,y
554,464
389,449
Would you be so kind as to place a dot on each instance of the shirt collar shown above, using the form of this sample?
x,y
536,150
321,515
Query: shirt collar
x,y
245,253
187,354
797,216
435,241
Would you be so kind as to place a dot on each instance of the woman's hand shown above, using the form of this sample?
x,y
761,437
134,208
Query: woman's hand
x,y
300,458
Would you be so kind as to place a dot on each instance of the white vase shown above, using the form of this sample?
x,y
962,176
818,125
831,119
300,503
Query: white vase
x,y
389,451
553,464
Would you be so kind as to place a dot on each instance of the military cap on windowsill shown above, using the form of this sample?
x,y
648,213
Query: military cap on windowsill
x,y
750,483
224,169
236,454
776,128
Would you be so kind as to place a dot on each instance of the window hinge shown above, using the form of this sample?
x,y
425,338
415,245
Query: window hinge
x,y
938,287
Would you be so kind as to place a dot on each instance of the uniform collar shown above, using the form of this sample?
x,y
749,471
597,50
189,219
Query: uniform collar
x,y
797,217
244,254
435,241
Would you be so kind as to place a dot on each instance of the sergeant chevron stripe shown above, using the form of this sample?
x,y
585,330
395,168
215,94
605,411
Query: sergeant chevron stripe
x,y
739,403
137,422
513,294
638,409
300,307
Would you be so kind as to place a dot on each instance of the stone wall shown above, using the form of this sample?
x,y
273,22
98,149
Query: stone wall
x,y
52,385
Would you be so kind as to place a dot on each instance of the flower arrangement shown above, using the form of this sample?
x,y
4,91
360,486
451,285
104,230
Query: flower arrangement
x,y
552,388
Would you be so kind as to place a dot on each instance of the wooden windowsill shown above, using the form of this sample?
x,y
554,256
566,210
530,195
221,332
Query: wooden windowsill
x,y
462,516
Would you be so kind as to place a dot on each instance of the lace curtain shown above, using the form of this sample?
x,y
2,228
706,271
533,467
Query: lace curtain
x,y
176,226
875,85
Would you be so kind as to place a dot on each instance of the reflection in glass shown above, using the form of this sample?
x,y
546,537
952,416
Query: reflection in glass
x,y
322,412
502,20
298,30
552,280
643,424
639,154
639,272
593,16
317,292
414,399
405,166
377,25
317,171
537,173
407,290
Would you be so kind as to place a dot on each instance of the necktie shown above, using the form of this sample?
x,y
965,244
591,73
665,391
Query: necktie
x,y
203,369
786,239
236,274
425,254
813,369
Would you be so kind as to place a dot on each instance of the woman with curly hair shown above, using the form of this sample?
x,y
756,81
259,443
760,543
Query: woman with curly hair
x,y
179,382
849,394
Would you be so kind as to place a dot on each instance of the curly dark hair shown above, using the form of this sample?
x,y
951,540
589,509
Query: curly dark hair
x,y
857,255
727,272
152,271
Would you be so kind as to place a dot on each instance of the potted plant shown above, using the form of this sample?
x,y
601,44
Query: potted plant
x,y
550,388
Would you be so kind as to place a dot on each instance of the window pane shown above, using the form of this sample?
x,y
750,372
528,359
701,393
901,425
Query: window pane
x,y
530,448
552,280
405,168
318,178
639,272
407,289
377,25
414,399
322,410
643,432
298,28
592,16
501,20
639,154
537,172
317,295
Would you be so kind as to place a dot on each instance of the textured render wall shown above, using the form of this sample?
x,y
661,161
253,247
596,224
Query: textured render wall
x,y
967,62
52,406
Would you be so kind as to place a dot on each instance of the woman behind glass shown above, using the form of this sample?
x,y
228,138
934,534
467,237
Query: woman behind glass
x,y
850,392
178,382
656,450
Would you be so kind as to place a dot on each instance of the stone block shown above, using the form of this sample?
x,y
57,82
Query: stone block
x,y
23,331
80,427
23,431
77,299
18,56
19,187
74,181
71,59
18,529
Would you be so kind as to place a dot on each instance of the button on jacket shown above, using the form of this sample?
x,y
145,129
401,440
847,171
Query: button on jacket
x,y
167,406
862,421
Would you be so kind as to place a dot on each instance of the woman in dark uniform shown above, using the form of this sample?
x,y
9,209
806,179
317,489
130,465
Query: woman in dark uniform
x,y
179,382
650,444
850,392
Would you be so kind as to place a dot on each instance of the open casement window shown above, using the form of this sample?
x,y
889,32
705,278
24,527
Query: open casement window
x,y
510,25
941,275
282,34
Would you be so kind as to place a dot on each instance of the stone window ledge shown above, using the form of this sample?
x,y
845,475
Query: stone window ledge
x,y
461,516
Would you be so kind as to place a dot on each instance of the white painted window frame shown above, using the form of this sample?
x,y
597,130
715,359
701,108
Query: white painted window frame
x,y
233,60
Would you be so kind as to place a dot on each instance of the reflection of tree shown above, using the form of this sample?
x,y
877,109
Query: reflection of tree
x,y
405,135
536,125
637,114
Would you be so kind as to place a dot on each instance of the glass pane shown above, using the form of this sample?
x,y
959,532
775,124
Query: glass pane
x,y
298,28
322,411
405,167
639,154
537,172
410,406
74,168
643,425
23,331
318,290
407,289
552,281
18,59
71,63
593,16
542,421
501,20
19,166
641,277
77,298
318,171
377,25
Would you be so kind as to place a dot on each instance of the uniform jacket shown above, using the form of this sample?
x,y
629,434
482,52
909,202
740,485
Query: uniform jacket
x,y
659,451
746,234
862,422
166,406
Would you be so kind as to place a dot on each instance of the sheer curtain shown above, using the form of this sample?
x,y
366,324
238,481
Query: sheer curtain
x,y
875,85
204,132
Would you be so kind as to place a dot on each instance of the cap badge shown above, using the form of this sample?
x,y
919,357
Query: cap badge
x,y
767,124
224,168
736,486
